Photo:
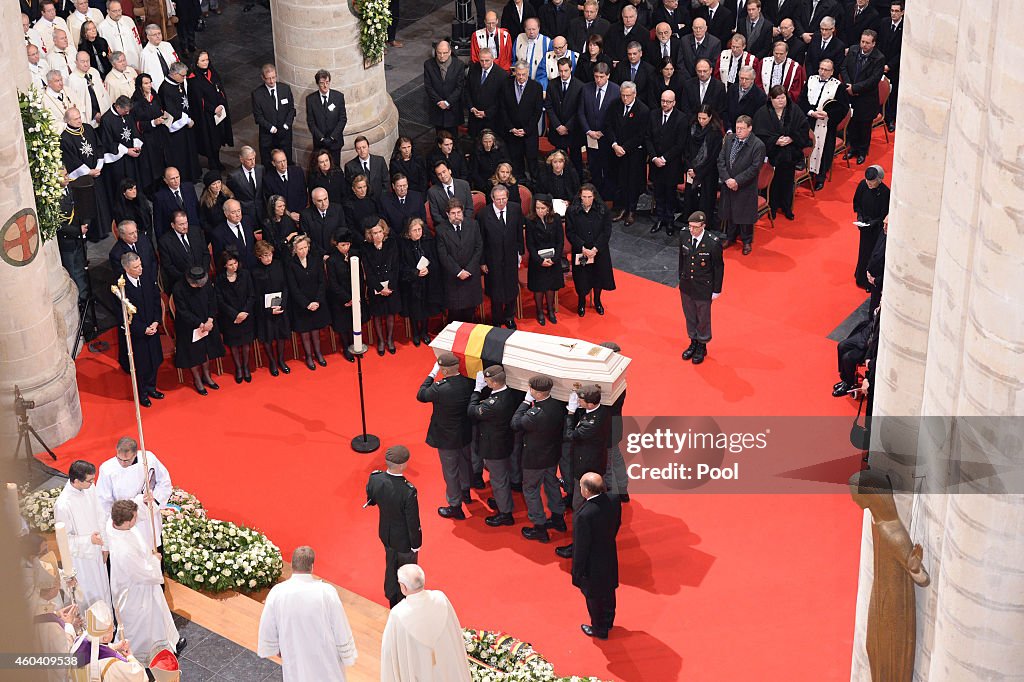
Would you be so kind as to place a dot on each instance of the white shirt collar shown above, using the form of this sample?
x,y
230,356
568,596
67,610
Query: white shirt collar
x,y
133,280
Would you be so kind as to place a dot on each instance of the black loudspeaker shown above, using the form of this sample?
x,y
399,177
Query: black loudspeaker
x,y
463,26
83,190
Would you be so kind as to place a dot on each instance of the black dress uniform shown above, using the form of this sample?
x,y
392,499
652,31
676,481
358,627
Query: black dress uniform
x,y
399,528
492,413
450,431
588,434
701,268
541,424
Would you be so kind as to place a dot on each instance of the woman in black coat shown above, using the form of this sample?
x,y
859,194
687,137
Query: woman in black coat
x,y
405,161
148,116
99,52
447,152
584,70
503,176
544,230
278,227
380,261
667,78
339,289
195,308
700,159
323,173
484,160
588,227
557,178
210,135
361,208
236,305
422,296
785,132
307,286
211,202
133,205
272,326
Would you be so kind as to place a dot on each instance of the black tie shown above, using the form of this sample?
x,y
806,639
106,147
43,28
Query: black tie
x,y
451,194
458,229
92,94
565,87
239,234
273,94
163,63
325,101
251,174
132,247
284,177
501,217
401,201
184,245
694,247
177,198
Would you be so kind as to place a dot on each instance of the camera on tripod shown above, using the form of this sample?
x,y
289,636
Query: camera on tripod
x,y
22,406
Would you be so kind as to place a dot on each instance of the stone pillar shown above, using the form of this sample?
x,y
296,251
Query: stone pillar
x,y
310,35
32,353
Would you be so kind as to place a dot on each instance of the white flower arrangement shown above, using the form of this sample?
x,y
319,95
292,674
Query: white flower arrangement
x,y
182,503
497,657
37,508
44,160
374,19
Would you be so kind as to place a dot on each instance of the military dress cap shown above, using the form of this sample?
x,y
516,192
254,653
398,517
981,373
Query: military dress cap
x,y
196,274
447,359
397,454
697,217
874,173
493,370
540,382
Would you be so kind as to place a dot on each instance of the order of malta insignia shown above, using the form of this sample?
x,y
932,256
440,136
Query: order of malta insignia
x,y
20,238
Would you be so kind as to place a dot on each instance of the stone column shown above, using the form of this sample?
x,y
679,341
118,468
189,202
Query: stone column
x,y
32,353
310,35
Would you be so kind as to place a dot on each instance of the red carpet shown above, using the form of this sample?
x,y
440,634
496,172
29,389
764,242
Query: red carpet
x,y
714,587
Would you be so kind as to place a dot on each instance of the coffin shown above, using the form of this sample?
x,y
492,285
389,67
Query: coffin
x,y
569,362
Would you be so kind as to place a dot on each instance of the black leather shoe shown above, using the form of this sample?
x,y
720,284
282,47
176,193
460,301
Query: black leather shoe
x,y
391,348
861,159
201,390
348,356
247,375
274,371
500,520
321,360
819,185
539,533
624,498
599,309
284,367
477,481
581,311
556,522
180,646
145,401
657,227
690,350
211,384
847,155
591,632
310,364
155,394
416,340
891,127
492,504
629,219
551,317
670,230
540,319
789,215
238,376
747,248
565,551
838,384
451,512
841,389
466,497
380,349
700,353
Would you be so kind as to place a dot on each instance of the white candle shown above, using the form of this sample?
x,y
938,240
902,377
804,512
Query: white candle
x,y
11,499
66,563
357,314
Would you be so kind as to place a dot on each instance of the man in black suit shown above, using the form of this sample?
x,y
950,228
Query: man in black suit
x,y
522,102
235,234
627,130
484,85
757,29
141,290
180,249
273,109
286,180
701,269
563,104
825,44
814,12
501,224
890,42
597,98
491,410
665,45
678,18
322,220
699,45
400,204
175,195
635,70
555,17
862,71
704,90
666,136
581,28
326,116
541,419
373,166
743,98
858,16
719,20
399,525
460,249
595,561
246,182
450,429
779,10
789,34
447,188
620,35
128,241
444,81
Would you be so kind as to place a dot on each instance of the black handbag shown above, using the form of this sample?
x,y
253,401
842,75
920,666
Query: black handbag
x,y
860,436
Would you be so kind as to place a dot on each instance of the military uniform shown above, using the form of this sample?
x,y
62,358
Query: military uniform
x,y
493,414
700,277
399,528
450,431
541,424
589,433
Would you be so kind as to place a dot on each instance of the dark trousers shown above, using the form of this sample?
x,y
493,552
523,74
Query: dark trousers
x,y
630,179
601,606
868,239
894,95
698,317
702,195
502,312
393,560
393,28
462,314
522,152
858,136
851,353
744,232
782,187
282,140
599,163
72,257
571,146
187,33
666,197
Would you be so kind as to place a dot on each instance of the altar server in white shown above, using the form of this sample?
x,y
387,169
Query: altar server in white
x,y
135,579
422,639
304,623
78,508
121,478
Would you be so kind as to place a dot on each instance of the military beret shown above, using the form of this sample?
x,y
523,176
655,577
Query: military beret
x,y
539,382
494,370
447,359
697,217
397,454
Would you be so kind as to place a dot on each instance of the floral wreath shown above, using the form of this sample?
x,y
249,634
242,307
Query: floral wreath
x,y
497,657
42,144
374,20
37,508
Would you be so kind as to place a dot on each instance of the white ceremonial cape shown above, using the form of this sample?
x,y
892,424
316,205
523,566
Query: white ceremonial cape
x,y
115,482
423,642
304,622
151,61
81,512
819,94
123,36
135,579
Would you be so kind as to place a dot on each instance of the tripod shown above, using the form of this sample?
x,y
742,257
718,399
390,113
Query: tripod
x,y
87,311
25,435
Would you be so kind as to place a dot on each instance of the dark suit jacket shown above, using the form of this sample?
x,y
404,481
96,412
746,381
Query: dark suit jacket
x,y
294,191
835,51
266,115
164,205
438,200
399,525
629,132
223,238
554,23
710,49
143,247
679,20
722,25
667,141
752,102
890,42
645,75
715,95
449,89
590,117
589,434
653,54
563,110
253,204
397,215
379,181
761,44
812,17
615,41
850,28
493,416
458,252
502,247
522,114
791,9
541,425
450,427
578,32
864,79
484,97
320,230
510,17
595,559
327,127
175,262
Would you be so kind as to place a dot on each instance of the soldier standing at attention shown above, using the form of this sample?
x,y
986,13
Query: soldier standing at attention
x,y
700,282
399,528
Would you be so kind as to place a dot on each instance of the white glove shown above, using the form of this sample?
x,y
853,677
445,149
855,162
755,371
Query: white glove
x,y
714,296
480,382
273,130
434,370
519,262
529,396
574,402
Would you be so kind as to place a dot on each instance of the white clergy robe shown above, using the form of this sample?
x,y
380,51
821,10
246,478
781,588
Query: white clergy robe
x,y
135,580
115,482
304,622
121,83
80,511
45,29
151,61
423,641
122,36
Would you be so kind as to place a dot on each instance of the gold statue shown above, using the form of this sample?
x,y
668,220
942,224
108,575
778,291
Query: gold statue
x,y
897,567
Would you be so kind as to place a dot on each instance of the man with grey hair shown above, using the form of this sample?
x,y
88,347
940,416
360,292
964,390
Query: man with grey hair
x,y
484,84
157,56
122,476
522,101
121,79
57,99
304,622
246,182
128,241
181,102
83,13
121,34
825,44
502,225
37,68
61,56
140,288
86,81
423,637
627,130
